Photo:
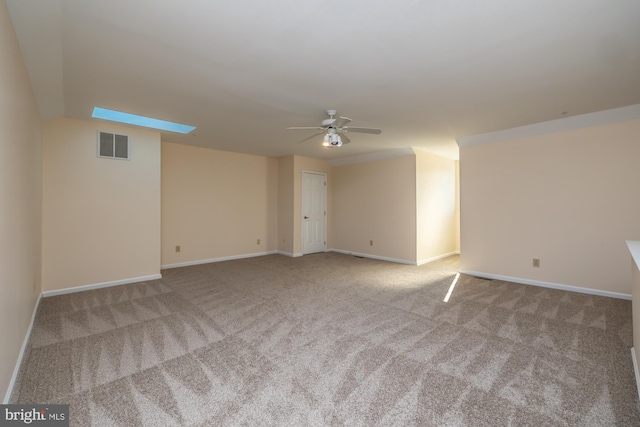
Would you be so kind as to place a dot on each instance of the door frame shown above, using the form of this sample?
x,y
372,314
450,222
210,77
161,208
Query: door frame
x,y
301,209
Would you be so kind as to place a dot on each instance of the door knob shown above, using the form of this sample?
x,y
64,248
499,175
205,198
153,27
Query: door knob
x,y
306,217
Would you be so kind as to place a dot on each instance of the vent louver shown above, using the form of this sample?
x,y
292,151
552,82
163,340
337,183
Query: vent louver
x,y
113,146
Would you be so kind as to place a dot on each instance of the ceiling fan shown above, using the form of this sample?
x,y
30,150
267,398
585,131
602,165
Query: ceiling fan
x,y
335,130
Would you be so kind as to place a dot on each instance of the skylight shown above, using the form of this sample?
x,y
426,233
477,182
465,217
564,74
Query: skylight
x,y
132,119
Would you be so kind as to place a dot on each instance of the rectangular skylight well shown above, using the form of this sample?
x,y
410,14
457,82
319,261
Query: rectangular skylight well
x,y
133,119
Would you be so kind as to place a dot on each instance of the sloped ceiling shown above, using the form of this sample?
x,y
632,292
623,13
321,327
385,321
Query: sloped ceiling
x,y
425,72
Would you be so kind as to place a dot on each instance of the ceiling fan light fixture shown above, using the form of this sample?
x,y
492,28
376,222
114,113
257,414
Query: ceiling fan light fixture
x,y
326,142
335,139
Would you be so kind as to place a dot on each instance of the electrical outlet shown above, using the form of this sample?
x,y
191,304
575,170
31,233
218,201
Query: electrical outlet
x,y
536,262
370,242
258,242
178,248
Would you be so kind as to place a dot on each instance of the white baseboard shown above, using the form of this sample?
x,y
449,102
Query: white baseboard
x,y
436,258
548,284
381,258
224,258
289,254
21,354
635,369
101,285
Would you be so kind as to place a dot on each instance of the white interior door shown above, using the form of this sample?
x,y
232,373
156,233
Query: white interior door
x,y
314,212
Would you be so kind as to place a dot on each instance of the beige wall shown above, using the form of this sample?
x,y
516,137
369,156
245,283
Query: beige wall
x,y
376,201
101,217
20,200
216,204
569,199
437,208
285,205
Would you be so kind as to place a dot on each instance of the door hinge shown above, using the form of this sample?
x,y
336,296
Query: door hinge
x,y
325,183
325,212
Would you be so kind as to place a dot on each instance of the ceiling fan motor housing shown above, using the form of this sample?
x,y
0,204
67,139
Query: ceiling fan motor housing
x,y
327,122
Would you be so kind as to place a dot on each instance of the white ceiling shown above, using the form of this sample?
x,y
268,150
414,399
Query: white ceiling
x,y
242,71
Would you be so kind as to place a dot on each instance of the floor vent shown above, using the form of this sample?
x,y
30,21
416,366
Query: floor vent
x,y
113,146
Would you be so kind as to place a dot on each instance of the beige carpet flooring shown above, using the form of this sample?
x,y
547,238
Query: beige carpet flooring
x,y
331,340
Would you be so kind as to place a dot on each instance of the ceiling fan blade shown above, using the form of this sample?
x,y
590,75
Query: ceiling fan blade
x,y
305,128
362,130
340,121
311,137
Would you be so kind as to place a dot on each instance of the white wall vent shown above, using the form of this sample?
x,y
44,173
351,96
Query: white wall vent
x,y
113,146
